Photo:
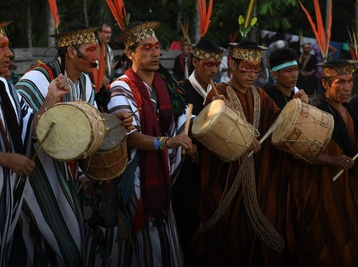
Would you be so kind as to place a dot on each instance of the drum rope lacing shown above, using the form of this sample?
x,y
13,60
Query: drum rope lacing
x,y
246,175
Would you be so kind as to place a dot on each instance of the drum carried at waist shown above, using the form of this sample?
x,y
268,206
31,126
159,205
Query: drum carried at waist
x,y
304,130
71,130
223,131
111,158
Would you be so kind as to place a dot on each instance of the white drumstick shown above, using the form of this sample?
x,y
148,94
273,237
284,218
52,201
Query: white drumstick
x,y
341,171
187,123
269,131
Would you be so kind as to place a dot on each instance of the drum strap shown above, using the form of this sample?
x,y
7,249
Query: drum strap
x,y
246,175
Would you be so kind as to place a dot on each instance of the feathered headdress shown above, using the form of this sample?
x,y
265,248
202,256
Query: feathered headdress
x,y
54,12
206,49
205,14
119,12
323,36
352,44
245,24
185,30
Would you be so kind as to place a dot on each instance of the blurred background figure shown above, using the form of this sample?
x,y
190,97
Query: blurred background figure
x,y
307,70
183,65
104,35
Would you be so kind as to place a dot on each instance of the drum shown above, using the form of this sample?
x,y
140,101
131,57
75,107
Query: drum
x,y
77,130
223,131
304,130
111,158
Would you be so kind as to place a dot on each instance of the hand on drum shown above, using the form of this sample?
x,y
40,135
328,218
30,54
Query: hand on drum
x,y
126,118
180,140
342,162
58,87
255,146
302,96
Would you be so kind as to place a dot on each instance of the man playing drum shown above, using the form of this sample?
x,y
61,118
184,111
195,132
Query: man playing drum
x,y
323,213
155,150
15,147
53,223
229,206
186,188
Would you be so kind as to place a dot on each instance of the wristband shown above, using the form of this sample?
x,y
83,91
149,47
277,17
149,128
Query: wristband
x,y
156,143
160,142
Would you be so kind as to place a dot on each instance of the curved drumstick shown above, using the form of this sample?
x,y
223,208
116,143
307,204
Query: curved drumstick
x,y
269,131
341,171
187,123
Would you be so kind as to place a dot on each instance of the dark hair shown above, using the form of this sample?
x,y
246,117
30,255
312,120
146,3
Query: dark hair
x,y
248,44
282,55
208,45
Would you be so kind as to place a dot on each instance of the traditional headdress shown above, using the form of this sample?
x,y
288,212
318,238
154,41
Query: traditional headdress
x,y
68,38
54,12
3,25
206,49
247,50
185,30
245,24
352,44
136,32
77,37
323,36
337,67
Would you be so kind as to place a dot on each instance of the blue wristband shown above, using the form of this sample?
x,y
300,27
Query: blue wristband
x,y
156,143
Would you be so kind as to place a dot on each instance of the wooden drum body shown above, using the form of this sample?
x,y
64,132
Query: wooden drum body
x,y
77,130
223,131
111,158
304,130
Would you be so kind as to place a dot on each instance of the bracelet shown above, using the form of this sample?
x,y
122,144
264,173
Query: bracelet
x,y
160,143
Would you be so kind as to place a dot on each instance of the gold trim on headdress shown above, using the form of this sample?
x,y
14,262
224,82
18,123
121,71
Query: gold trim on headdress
x,y
2,28
133,35
207,55
76,37
337,70
244,53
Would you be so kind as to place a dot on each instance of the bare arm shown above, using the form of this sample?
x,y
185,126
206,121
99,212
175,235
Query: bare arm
x,y
341,161
146,142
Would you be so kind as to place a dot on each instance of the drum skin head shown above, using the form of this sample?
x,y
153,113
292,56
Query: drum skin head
x,y
115,132
72,134
111,158
223,131
305,130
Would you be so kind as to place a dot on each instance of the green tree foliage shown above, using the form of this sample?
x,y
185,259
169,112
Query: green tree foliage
x,y
283,16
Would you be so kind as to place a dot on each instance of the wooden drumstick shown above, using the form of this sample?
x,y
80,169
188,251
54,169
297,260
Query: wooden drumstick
x,y
269,131
214,87
341,171
44,139
187,123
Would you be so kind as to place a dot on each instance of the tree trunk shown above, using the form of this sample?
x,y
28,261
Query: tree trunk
x,y
51,29
85,12
29,25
